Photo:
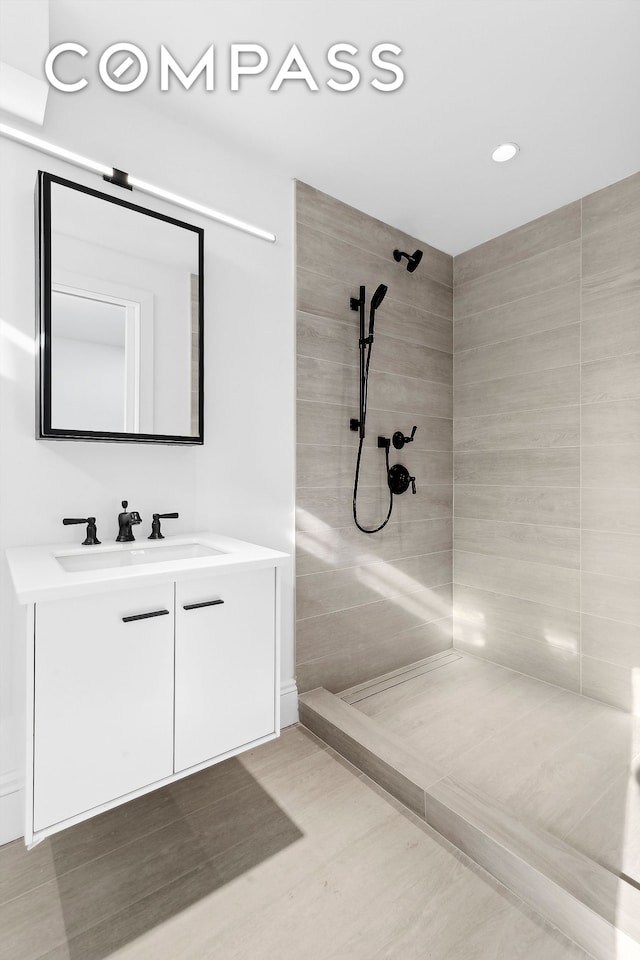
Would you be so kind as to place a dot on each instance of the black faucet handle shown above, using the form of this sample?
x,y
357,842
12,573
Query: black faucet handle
x,y
92,531
399,438
156,533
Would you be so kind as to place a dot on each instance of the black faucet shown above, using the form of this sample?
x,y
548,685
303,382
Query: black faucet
x,y
125,521
156,533
92,534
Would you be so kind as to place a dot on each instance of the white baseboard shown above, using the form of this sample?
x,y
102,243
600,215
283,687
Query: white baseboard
x,y
11,808
288,703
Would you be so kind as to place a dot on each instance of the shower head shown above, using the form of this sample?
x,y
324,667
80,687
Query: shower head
x,y
376,300
378,297
413,259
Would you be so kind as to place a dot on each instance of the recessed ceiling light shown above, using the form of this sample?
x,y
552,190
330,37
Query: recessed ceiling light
x,y
505,151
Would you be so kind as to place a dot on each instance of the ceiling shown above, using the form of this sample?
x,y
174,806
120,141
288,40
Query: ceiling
x,y
559,77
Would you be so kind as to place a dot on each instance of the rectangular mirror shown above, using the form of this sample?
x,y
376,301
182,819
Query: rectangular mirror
x,y
121,319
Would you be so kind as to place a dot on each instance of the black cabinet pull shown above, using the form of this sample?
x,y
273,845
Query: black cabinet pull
x,y
145,616
204,603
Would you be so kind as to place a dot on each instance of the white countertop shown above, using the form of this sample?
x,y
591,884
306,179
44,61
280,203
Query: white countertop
x,y
37,574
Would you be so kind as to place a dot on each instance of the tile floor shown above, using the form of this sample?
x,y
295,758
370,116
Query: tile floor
x,y
566,763
286,851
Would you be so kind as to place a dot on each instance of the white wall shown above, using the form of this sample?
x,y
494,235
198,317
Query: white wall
x,y
241,481
93,371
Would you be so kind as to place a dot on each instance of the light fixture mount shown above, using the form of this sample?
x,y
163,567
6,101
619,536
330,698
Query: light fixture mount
x,y
505,151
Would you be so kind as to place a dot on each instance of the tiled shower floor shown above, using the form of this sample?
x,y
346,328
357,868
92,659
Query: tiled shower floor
x,y
563,762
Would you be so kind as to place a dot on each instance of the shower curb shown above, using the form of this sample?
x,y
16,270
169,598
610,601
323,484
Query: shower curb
x,y
592,906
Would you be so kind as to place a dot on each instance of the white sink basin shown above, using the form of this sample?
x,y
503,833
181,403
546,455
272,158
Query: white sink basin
x,y
134,555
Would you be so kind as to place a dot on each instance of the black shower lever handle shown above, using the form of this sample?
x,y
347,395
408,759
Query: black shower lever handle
x,y
412,480
399,438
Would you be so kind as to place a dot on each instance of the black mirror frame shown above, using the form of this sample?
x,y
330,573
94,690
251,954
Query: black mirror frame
x,y
44,430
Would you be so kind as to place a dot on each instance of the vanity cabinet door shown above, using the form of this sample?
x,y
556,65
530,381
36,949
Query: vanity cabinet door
x,y
225,664
103,723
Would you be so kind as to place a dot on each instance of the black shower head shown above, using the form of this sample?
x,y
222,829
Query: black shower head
x,y
378,296
376,300
413,259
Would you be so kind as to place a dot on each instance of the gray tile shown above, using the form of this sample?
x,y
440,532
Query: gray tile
x,y
542,468
504,762
540,582
617,378
611,554
610,314
538,543
612,337
608,205
545,233
520,504
378,754
322,593
609,832
619,512
484,612
329,297
329,423
549,388
320,507
512,358
572,772
328,256
517,430
327,382
610,683
340,220
543,311
555,664
324,465
617,643
617,421
613,245
616,465
424,363
321,465
537,867
348,547
551,268
359,635
327,339
410,396
346,667
612,598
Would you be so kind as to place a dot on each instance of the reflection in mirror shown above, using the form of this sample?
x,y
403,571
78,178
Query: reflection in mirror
x,y
121,319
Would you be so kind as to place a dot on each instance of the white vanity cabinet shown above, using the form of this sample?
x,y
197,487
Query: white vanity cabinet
x,y
103,699
144,663
224,656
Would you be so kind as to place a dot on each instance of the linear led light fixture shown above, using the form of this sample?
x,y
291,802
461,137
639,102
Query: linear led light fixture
x,y
124,180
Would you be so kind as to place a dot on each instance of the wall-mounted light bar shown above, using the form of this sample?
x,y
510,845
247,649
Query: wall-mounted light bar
x,y
115,175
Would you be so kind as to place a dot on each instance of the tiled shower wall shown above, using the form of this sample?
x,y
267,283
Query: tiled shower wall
x,y
368,604
547,447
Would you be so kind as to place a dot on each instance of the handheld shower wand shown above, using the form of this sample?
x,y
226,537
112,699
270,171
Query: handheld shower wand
x,y
365,343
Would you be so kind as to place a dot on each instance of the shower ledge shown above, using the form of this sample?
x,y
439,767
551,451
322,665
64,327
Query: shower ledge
x,y
586,902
